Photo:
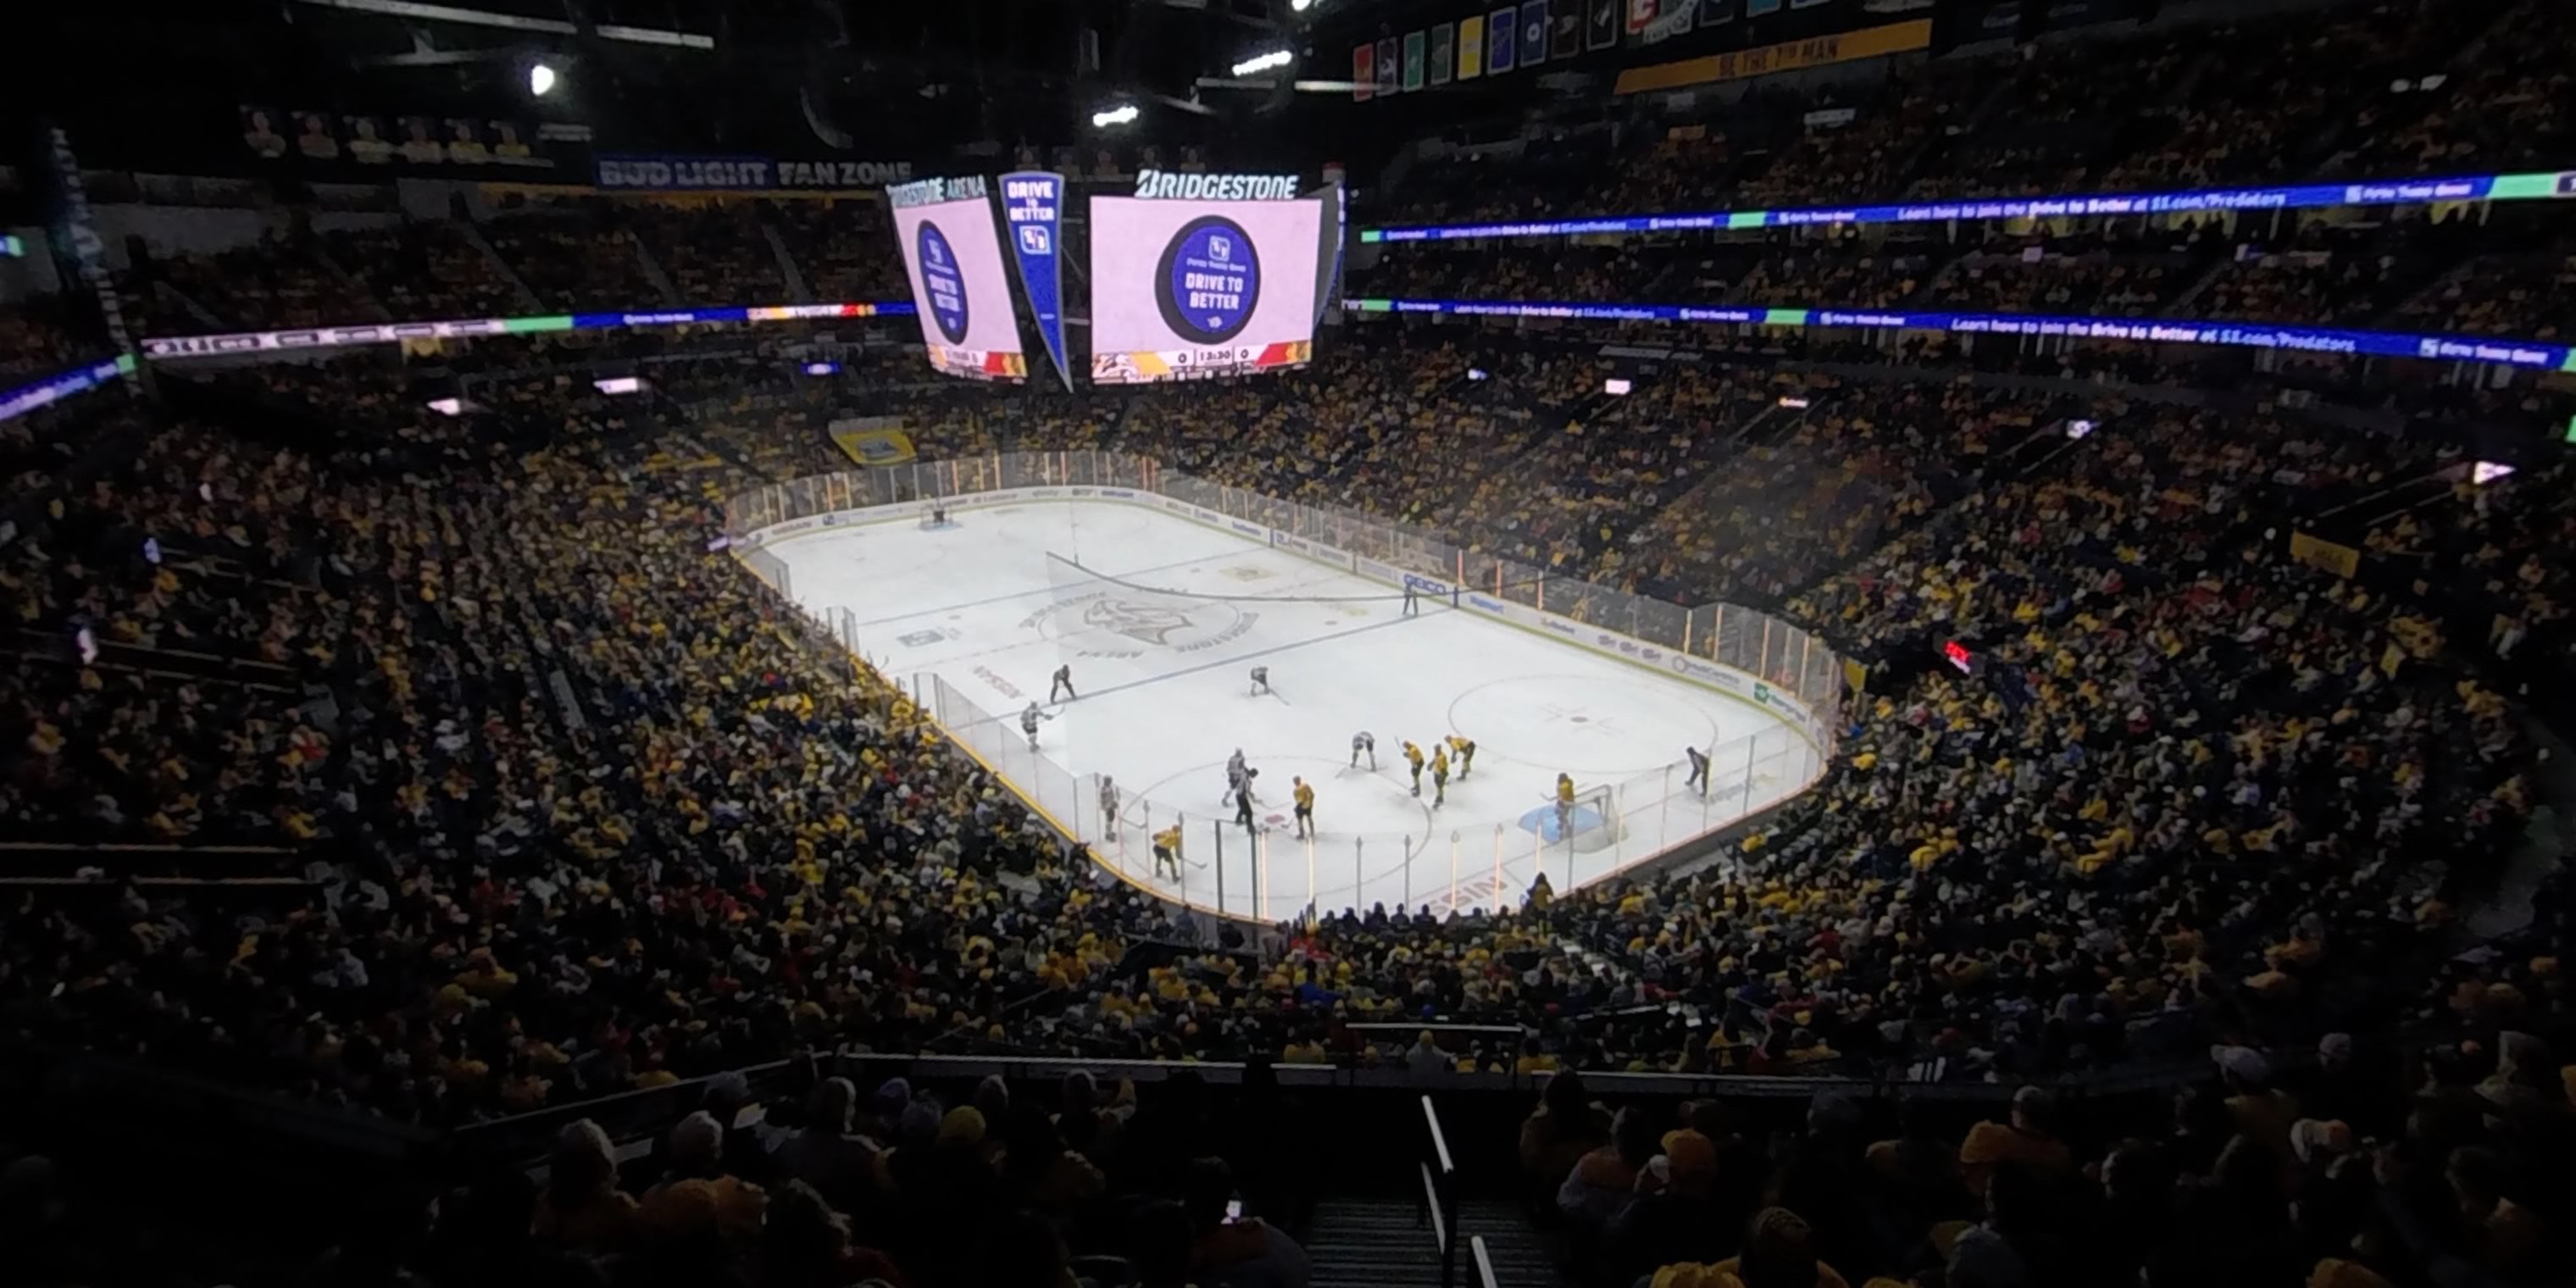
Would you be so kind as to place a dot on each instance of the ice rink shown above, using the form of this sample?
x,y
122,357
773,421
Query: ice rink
x,y
1161,620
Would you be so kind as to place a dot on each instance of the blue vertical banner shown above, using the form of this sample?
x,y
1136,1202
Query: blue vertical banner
x,y
80,255
1502,37
1033,210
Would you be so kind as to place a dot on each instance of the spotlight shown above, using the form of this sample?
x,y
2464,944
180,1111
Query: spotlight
x,y
1120,115
541,80
1263,62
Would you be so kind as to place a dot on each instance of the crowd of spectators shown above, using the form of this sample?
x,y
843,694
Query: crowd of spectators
x,y
427,269
2360,90
715,252
37,341
842,247
583,813
577,787
579,260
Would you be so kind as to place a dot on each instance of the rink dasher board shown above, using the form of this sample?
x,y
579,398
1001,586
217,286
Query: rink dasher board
x,y
1654,658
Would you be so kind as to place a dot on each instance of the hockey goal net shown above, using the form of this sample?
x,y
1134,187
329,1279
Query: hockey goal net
x,y
1590,822
934,514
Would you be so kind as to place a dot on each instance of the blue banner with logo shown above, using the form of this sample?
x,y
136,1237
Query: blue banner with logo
x,y
1033,209
80,256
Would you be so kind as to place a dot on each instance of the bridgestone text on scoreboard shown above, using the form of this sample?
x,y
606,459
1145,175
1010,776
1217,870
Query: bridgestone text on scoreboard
x,y
1164,185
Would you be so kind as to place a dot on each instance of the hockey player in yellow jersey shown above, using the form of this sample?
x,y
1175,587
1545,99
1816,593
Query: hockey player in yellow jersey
x,y
1167,851
1305,808
1466,749
1413,757
1564,806
1439,774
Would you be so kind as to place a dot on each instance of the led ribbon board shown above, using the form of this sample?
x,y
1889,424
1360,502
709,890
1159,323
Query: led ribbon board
x,y
302,339
2528,354
2375,192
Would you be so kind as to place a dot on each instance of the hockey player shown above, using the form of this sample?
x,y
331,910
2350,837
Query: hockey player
x,y
1305,809
1029,723
1109,807
1364,741
1413,757
1167,851
1439,774
1466,749
1564,806
1243,804
1063,681
1412,599
1699,769
1261,681
1235,776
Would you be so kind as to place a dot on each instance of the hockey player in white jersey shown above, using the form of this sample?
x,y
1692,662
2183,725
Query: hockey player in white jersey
x,y
1364,741
1109,807
1029,723
1238,780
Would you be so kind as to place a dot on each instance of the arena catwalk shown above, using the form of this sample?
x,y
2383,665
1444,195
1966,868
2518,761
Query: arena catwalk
x,y
1158,624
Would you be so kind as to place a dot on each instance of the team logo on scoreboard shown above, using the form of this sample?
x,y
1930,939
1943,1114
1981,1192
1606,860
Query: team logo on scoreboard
x,y
1034,239
1209,280
1112,624
943,283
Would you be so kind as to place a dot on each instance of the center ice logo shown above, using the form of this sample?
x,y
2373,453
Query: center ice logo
x,y
1144,623
1106,624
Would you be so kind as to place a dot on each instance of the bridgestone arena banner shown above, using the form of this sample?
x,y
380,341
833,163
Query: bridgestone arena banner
x,y
1202,275
953,258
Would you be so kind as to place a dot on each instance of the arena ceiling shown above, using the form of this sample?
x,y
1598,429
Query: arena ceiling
x,y
873,75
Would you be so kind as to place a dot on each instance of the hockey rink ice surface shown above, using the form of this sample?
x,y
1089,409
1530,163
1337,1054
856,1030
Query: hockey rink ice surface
x,y
1164,699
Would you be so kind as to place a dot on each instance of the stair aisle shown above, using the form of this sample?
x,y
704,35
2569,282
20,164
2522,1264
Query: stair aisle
x,y
1520,1258
1362,1243
1357,1243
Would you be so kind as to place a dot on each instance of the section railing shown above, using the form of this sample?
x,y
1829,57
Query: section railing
x,y
1439,1207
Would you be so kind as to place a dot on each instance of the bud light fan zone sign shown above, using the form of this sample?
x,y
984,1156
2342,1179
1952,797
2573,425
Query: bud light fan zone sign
x,y
953,255
1202,275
